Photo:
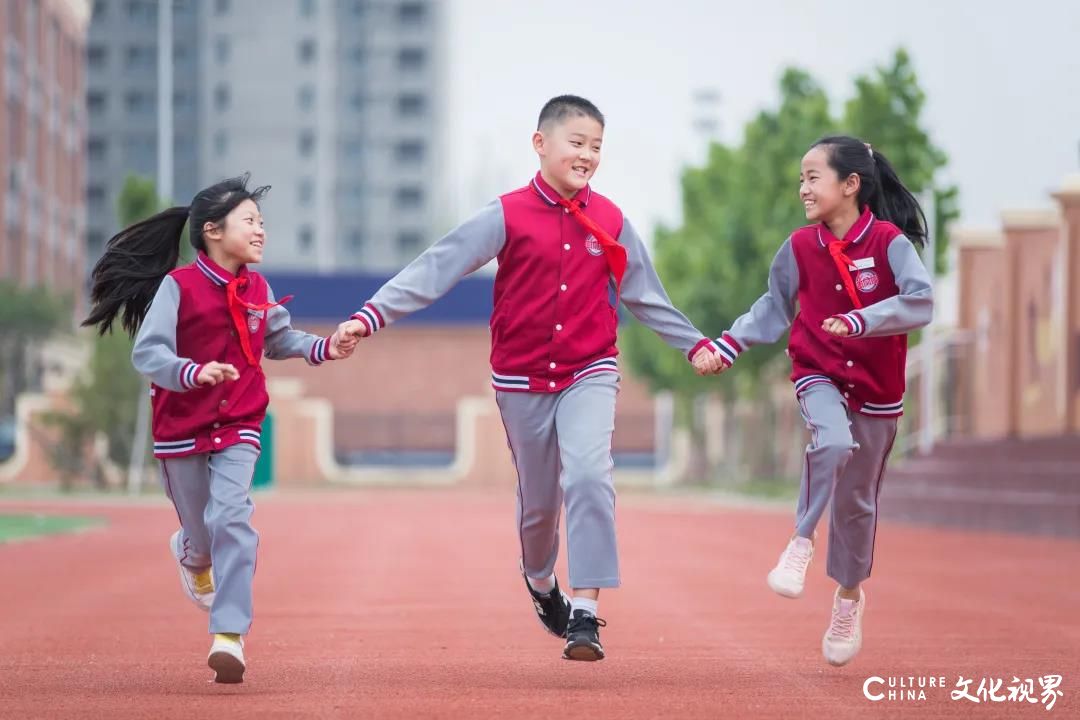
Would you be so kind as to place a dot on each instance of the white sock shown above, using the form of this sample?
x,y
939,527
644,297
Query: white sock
x,y
583,603
543,586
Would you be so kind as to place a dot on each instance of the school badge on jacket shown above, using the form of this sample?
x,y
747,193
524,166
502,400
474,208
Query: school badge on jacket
x,y
866,281
593,246
254,318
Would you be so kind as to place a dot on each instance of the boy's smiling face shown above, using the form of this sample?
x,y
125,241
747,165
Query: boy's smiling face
x,y
569,152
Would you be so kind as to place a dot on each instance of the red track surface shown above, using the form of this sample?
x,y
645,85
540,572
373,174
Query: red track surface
x,y
408,604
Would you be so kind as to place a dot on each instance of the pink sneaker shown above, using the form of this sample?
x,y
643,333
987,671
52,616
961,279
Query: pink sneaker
x,y
789,575
843,639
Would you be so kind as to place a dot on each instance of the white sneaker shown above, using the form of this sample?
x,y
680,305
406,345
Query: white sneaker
x,y
789,575
197,586
844,637
227,658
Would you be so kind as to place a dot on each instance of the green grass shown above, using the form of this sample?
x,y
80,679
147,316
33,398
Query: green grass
x,y
19,527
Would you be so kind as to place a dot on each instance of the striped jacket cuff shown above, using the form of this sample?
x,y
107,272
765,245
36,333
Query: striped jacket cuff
x,y
729,348
189,375
320,352
371,318
856,325
702,343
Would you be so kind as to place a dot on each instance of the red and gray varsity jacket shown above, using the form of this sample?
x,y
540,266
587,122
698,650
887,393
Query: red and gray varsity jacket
x,y
189,324
888,277
553,321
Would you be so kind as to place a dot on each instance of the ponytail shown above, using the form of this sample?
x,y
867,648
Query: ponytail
x,y
127,276
880,188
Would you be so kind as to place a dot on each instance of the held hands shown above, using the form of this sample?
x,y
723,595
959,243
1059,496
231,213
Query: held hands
x,y
707,362
344,340
213,373
836,326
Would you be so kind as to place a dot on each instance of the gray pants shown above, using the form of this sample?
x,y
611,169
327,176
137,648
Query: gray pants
x,y
845,461
561,447
212,499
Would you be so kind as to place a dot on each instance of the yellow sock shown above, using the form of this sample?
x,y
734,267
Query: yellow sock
x,y
232,637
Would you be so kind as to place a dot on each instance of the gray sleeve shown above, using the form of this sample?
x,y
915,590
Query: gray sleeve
x,y
645,297
282,341
771,314
154,354
912,309
466,248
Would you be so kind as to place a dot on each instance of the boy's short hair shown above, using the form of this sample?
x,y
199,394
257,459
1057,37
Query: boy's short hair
x,y
559,108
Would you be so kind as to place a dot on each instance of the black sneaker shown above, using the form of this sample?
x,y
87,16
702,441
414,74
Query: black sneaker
x,y
552,609
583,637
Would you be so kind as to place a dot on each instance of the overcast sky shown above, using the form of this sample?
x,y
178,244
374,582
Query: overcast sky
x,y
1003,92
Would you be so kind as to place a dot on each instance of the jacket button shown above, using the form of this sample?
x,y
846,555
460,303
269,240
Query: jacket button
x,y
223,403
563,287
849,363
847,395
551,384
839,286
558,327
217,440
851,385
566,246
552,366
217,425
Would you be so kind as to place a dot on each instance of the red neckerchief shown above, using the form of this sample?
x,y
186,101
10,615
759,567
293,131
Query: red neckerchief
x,y
236,310
614,253
843,262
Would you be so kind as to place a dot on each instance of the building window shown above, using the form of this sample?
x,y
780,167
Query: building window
x,y
353,148
305,192
95,149
356,240
307,8
95,196
100,9
184,146
141,56
142,11
409,152
95,102
96,55
409,242
412,14
409,198
182,100
221,49
411,59
307,143
221,143
95,242
221,97
221,7
411,105
304,240
305,98
138,102
306,50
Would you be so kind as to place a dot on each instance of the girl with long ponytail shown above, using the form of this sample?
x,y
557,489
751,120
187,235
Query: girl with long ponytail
x,y
201,331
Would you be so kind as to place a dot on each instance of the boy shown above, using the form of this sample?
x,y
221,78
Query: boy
x,y
564,253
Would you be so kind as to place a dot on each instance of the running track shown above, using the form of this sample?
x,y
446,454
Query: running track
x,y
380,603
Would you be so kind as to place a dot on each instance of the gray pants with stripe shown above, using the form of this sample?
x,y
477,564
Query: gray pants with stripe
x,y
212,499
561,447
844,462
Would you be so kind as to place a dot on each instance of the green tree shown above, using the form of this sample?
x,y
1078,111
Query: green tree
x,y
28,316
743,202
106,398
737,210
886,111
